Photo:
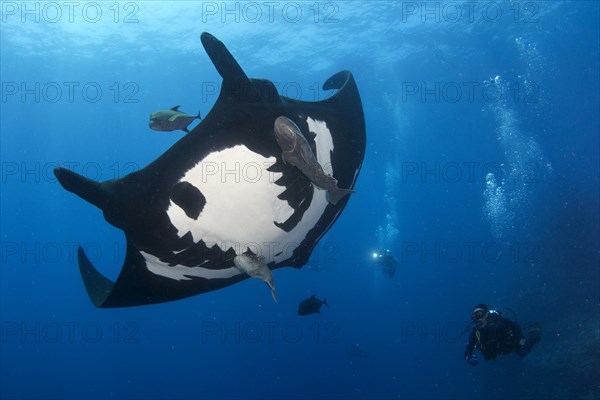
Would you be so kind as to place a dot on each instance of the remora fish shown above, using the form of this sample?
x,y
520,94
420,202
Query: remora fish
x,y
297,152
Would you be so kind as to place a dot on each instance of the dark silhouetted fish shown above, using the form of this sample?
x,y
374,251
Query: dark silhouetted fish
x,y
355,352
311,305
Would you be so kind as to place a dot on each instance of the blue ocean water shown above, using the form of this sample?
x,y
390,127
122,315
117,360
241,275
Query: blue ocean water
x,y
481,175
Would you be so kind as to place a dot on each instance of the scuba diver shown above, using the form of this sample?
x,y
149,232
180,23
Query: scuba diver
x,y
493,334
387,262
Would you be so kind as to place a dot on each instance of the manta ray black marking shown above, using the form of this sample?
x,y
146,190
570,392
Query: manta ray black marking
x,y
223,190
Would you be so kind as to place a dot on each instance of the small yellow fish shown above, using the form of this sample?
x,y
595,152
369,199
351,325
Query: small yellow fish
x,y
171,120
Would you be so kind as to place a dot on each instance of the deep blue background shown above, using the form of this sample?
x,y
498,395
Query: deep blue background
x,y
541,258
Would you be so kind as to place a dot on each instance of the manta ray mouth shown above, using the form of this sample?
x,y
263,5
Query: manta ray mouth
x,y
89,190
97,193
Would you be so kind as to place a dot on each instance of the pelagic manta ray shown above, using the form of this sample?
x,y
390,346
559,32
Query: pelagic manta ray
x,y
224,190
